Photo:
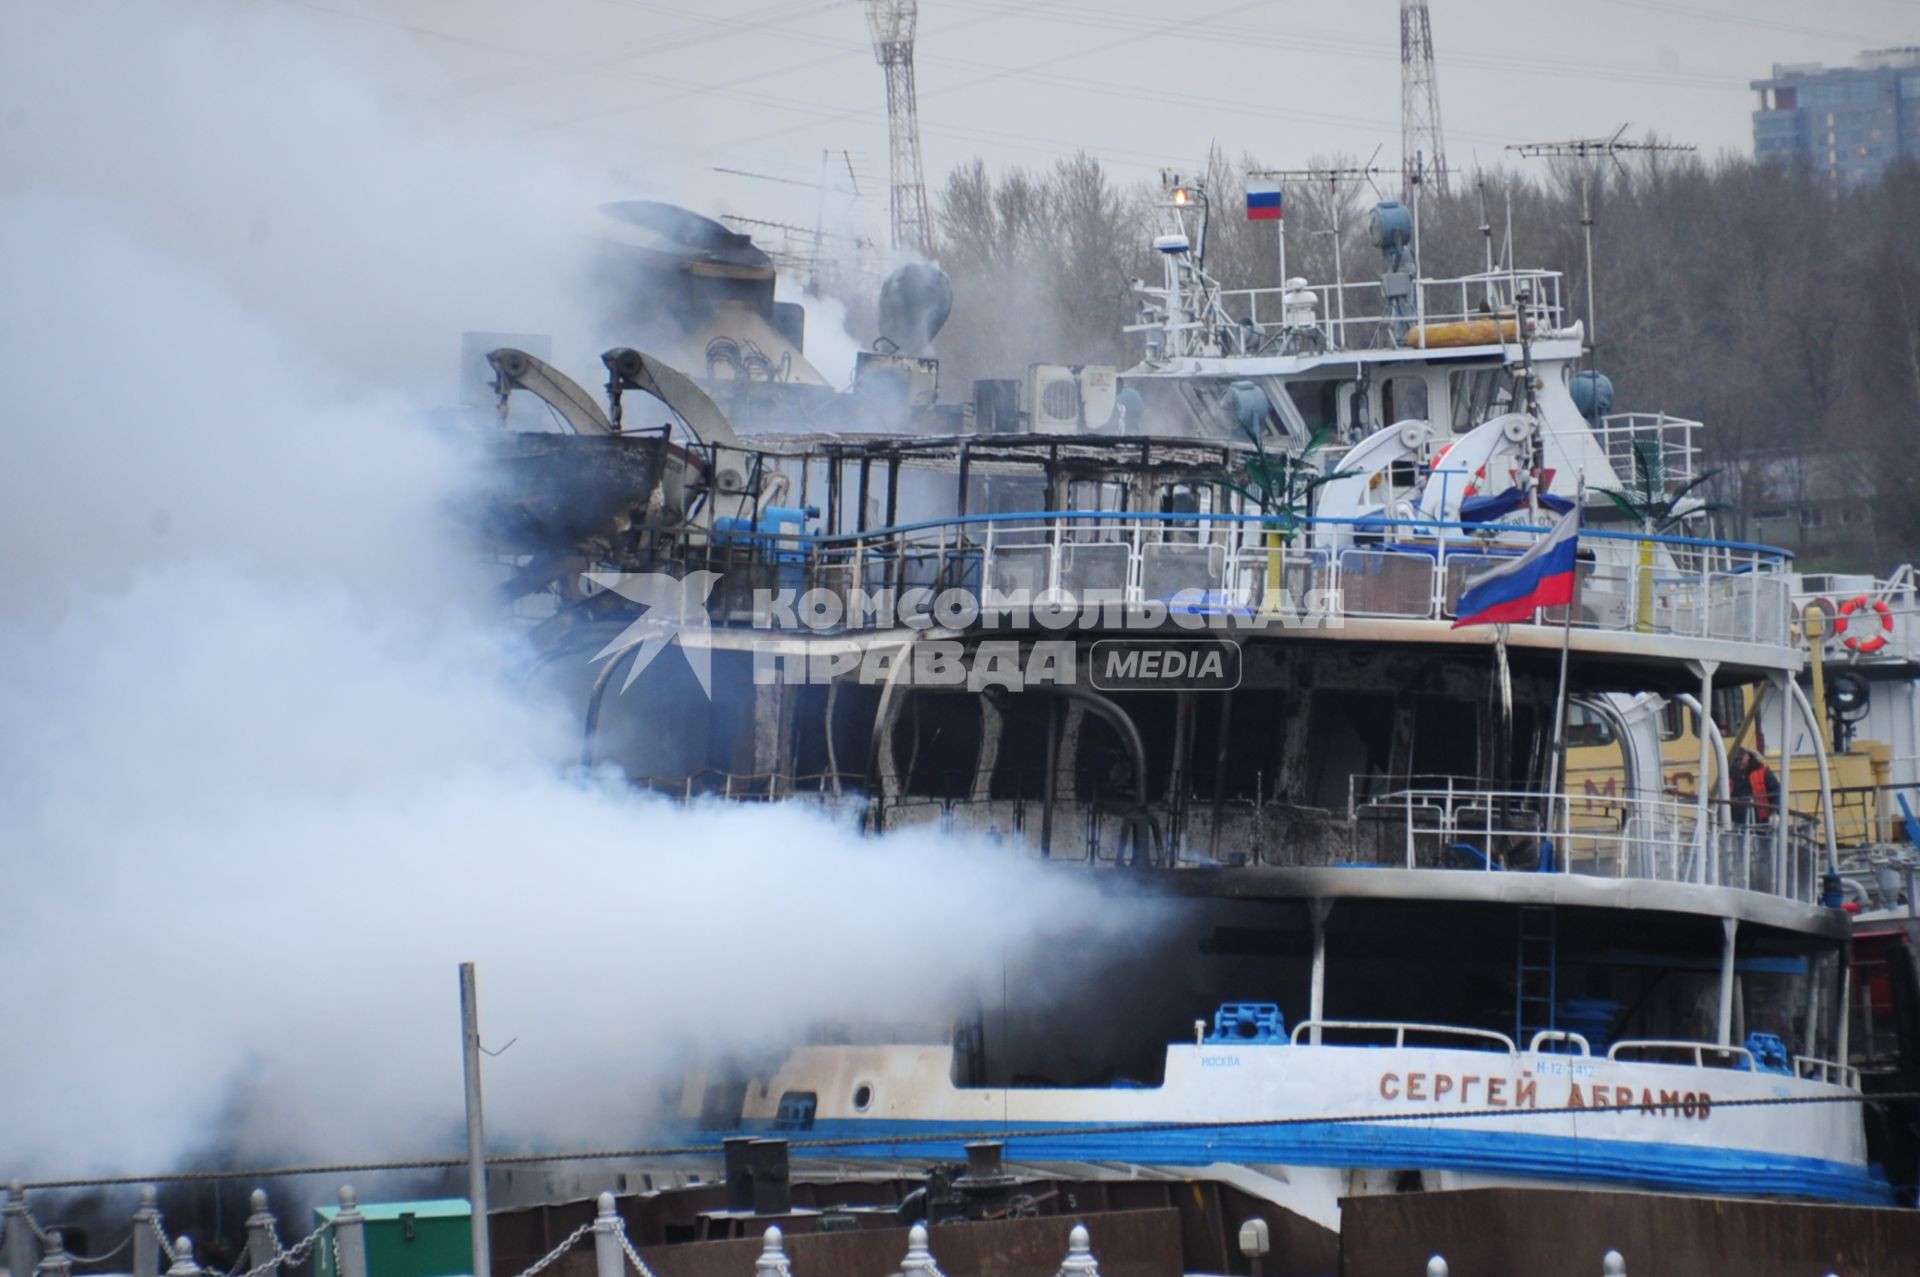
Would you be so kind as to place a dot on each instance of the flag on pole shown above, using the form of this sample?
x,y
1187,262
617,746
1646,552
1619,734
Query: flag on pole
x,y
1542,577
1263,202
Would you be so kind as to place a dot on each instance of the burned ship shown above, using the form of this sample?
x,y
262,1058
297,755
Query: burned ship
x,y
1189,627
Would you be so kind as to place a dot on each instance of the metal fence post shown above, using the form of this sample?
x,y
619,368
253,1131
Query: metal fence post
x,y
919,1259
1080,1261
183,1264
773,1261
146,1234
56,1262
350,1237
22,1254
1614,1265
607,1259
261,1244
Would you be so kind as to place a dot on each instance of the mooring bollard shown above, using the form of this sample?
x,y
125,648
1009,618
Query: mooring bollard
x,y
919,1259
183,1265
773,1261
146,1234
350,1236
1437,1266
56,1262
23,1256
1079,1261
1614,1265
261,1246
607,1259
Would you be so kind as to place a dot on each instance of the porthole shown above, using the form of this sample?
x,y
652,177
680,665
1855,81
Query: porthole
x,y
862,1097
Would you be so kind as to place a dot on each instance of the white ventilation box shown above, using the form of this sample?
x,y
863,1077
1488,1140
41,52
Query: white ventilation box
x,y
1066,399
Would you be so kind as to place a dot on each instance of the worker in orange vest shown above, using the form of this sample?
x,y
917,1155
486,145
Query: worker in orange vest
x,y
1753,788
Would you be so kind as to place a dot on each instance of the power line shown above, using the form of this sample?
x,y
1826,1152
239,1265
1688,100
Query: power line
x,y
1747,20
1051,61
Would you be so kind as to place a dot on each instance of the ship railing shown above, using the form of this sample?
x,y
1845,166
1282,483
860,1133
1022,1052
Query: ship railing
x,y
1626,437
1316,1031
1466,825
1701,1055
1748,856
1898,594
1561,1037
1829,1071
1355,316
1228,568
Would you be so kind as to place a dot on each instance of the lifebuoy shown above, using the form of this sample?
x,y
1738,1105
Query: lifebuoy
x,y
1872,642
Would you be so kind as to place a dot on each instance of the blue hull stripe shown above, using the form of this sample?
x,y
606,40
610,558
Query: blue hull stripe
x,y
1664,1167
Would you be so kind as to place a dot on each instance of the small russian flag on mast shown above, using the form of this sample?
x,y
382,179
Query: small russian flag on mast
x,y
1263,202
1542,577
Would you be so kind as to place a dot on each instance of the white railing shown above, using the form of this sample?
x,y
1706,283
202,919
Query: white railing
x,y
1623,434
1464,825
1828,1071
1703,1055
1558,1035
1222,564
1398,1031
1352,316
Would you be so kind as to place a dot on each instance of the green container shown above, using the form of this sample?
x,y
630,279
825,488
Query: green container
x,y
409,1239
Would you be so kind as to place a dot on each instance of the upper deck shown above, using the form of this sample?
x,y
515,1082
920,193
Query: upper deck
x,y
1382,580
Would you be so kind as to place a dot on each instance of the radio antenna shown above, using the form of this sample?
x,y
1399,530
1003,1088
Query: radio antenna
x,y
1590,148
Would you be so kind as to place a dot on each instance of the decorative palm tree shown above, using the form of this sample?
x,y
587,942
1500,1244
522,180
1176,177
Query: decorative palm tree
x,y
1282,485
1650,501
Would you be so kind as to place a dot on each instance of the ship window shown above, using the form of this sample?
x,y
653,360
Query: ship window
x,y
1729,708
1402,398
1479,395
796,1111
1585,726
862,1097
1318,404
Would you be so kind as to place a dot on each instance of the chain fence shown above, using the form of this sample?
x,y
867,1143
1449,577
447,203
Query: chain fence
x,y
613,1246
573,1239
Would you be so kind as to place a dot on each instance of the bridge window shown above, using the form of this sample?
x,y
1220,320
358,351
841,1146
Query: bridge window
x,y
1318,404
1479,395
1403,398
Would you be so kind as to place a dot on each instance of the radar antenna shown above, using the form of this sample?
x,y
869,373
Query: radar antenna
x,y
1423,154
892,23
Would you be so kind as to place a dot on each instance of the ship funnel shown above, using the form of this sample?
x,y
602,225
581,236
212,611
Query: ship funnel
x,y
914,304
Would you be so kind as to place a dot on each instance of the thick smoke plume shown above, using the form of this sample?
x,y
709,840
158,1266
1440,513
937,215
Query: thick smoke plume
x,y
269,771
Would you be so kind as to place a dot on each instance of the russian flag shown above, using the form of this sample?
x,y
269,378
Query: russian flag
x,y
1542,577
1263,201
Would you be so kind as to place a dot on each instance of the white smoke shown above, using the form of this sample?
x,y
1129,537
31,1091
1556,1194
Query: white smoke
x,y
267,773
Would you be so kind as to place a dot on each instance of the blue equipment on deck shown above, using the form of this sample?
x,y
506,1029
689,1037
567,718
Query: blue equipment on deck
x,y
1769,1052
1247,1022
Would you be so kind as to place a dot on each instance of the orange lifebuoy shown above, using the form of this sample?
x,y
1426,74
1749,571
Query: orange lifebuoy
x,y
1872,642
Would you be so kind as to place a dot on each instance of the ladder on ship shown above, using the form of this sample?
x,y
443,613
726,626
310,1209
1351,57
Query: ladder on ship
x,y
1536,990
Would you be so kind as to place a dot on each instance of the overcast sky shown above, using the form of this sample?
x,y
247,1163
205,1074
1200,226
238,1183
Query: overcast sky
x,y
661,93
